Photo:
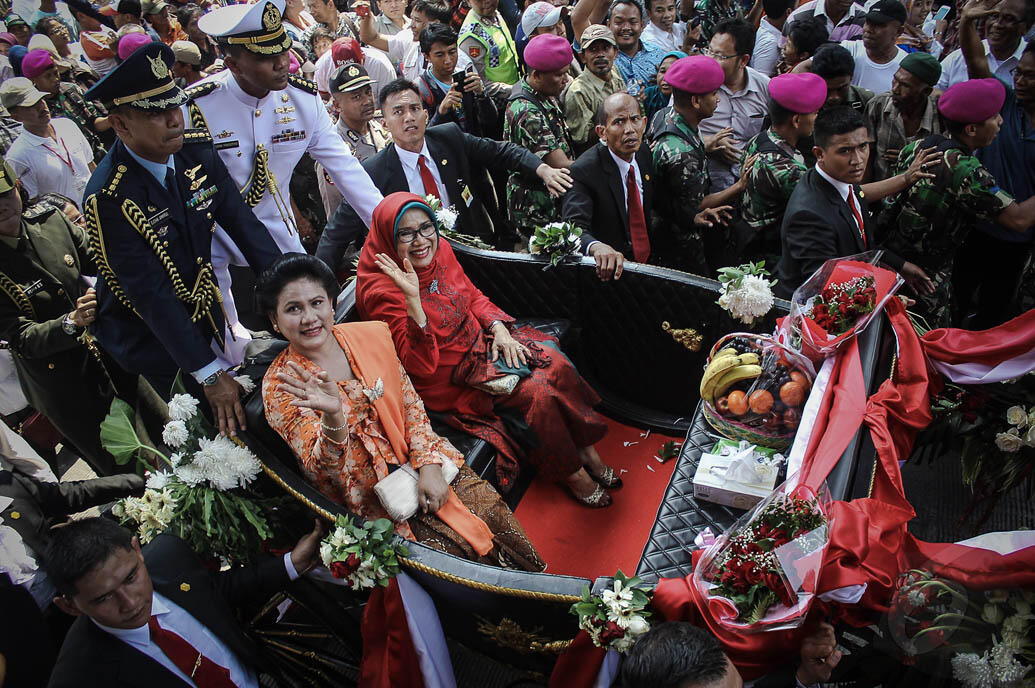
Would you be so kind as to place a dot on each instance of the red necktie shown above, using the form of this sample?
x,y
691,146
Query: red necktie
x,y
430,187
202,670
858,216
637,222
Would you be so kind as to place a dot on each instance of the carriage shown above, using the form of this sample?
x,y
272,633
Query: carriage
x,y
642,343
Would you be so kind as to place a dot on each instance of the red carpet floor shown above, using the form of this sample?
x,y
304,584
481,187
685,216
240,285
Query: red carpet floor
x,y
576,540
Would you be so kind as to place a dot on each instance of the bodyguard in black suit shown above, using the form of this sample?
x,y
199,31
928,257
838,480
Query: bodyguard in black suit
x,y
114,586
458,162
827,215
151,209
598,202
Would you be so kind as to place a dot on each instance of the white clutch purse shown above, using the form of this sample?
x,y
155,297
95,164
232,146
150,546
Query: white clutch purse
x,y
398,490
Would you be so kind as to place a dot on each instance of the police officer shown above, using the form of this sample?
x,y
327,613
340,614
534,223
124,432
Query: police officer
x,y
151,210
44,310
262,119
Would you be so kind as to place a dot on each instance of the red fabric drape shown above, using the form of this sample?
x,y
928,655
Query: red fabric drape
x,y
389,658
1011,339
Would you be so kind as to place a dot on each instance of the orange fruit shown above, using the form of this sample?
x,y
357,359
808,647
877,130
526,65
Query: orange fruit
x,y
737,402
761,401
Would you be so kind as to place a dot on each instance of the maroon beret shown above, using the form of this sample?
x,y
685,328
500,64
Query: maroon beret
x,y
801,93
973,101
36,62
696,74
548,52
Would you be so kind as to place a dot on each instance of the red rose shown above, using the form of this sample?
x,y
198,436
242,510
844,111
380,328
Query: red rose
x,y
754,548
753,575
612,631
773,581
339,570
778,534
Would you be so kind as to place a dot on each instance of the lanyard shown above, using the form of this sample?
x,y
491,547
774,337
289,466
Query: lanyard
x,y
68,156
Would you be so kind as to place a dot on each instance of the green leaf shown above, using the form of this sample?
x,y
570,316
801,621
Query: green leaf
x,y
206,512
119,437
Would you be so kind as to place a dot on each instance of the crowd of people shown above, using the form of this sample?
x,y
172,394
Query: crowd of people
x,y
155,153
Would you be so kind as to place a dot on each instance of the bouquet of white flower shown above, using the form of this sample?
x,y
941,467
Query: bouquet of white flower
x,y
557,241
362,555
446,217
200,493
618,616
746,293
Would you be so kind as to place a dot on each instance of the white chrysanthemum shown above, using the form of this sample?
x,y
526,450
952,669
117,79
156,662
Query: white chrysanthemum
x,y
190,474
158,481
446,217
182,407
1008,442
175,433
1016,623
246,382
225,464
176,459
1017,415
972,671
1005,668
752,299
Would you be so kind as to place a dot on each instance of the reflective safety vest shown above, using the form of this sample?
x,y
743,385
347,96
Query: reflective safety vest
x,y
501,63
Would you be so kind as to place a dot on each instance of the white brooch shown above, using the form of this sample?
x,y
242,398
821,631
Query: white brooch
x,y
376,392
433,287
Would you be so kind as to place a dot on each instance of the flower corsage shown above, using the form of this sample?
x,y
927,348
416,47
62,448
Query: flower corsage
x,y
618,616
362,555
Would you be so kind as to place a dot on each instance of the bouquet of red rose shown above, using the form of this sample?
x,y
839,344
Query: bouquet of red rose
x,y
838,302
761,574
362,554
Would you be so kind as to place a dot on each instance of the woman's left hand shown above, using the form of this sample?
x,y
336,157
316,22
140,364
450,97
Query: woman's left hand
x,y
512,350
317,392
432,490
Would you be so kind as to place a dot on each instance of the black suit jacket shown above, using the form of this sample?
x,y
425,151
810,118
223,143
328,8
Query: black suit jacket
x,y
92,657
462,161
596,201
818,226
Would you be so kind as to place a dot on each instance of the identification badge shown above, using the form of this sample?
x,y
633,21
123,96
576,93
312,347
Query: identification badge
x,y
467,196
223,145
33,288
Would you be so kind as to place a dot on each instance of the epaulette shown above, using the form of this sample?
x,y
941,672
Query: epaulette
x,y
196,136
302,83
113,182
38,211
202,89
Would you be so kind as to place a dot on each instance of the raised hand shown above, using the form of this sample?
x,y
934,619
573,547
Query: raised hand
x,y
314,391
923,161
405,278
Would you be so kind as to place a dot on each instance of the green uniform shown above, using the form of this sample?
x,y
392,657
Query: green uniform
x,y
712,12
62,376
70,102
770,183
537,123
681,165
930,221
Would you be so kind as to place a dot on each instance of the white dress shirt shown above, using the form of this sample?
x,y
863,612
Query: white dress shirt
x,y
869,74
623,173
412,172
843,189
954,67
666,40
47,166
744,111
766,53
175,618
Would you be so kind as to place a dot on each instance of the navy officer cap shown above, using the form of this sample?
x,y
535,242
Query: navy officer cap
x,y
143,80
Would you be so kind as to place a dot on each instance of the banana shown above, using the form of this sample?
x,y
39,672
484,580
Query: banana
x,y
734,375
725,352
718,367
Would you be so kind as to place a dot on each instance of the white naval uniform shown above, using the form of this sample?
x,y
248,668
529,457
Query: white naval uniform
x,y
286,123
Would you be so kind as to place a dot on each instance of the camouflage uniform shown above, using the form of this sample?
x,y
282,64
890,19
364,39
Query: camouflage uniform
x,y
770,183
712,12
70,102
931,220
541,130
681,165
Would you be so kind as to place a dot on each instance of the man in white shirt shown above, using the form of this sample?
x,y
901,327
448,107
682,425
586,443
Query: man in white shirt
x,y
664,31
769,37
844,18
376,63
50,155
403,48
743,99
877,56
1004,46
167,615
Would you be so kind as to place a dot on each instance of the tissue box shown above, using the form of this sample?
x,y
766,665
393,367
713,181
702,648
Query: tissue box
x,y
710,483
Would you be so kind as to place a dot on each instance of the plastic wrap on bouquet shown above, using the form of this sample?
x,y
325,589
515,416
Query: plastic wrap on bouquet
x,y
761,574
838,302
754,388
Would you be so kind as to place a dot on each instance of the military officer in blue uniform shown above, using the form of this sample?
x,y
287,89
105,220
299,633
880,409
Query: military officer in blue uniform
x,y
263,119
151,209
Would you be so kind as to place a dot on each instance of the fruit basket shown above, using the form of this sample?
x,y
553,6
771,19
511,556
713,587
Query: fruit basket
x,y
754,389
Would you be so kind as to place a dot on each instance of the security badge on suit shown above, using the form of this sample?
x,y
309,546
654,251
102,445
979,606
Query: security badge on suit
x,y
262,139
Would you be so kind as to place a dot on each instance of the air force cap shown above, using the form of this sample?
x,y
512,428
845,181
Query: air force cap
x,y
697,74
258,28
143,80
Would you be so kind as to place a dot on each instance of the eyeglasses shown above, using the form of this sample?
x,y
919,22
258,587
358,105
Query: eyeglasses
x,y
717,56
426,230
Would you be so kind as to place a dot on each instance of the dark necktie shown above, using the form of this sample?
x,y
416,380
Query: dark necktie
x,y
637,221
202,670
858,216
430,187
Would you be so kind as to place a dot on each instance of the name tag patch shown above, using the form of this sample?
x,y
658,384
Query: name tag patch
x,y
33,288
223,145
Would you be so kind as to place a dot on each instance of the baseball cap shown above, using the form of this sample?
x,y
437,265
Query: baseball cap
x,y
19,91
597,32
884,11
153,6
540,14
187,52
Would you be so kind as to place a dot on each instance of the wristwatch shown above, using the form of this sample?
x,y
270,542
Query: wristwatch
x,y
69,326
212,379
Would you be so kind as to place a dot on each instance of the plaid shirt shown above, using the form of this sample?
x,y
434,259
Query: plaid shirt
x,y
886,121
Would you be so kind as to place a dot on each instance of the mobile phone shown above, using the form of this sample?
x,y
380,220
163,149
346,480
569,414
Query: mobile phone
x,y
362,10
458,80
695,22
942,12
